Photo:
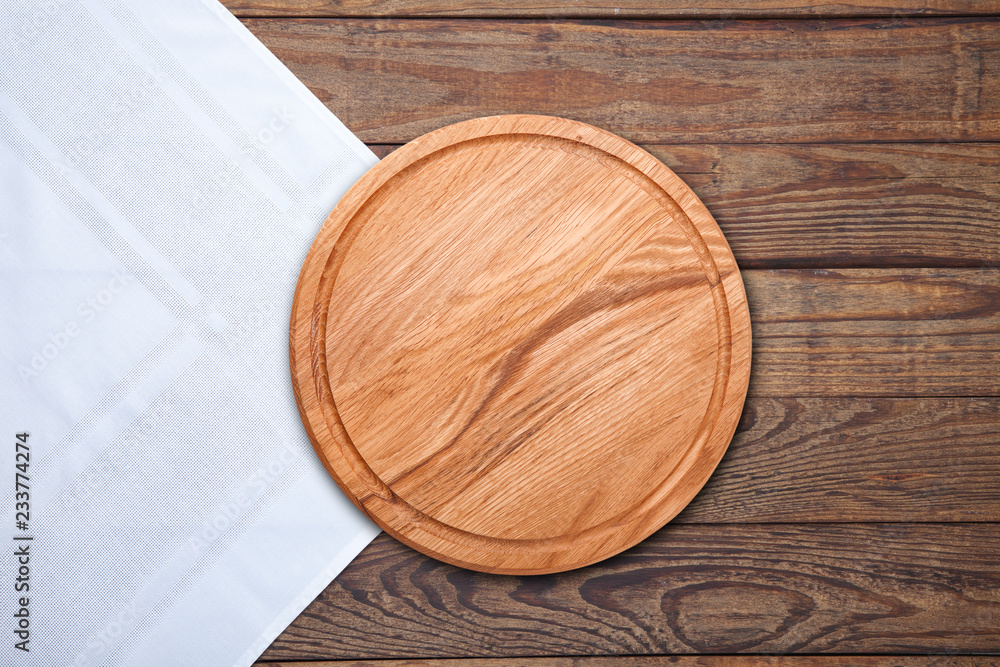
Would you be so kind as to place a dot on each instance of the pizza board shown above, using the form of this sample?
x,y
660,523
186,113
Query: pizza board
x,y
520,344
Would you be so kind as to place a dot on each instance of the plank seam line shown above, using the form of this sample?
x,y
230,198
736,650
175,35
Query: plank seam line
x,y
617,18
462,659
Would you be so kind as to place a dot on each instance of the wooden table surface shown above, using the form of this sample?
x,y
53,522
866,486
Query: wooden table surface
x,y
850,153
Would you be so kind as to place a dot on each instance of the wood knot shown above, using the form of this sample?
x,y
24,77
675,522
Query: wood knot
x,y
732,616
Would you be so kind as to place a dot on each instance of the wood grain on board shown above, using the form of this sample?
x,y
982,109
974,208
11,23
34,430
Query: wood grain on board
x,y
520,344
873,80
867,588
851,205
608,9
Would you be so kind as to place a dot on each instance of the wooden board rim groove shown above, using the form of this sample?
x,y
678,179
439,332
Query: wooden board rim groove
x,y
333,443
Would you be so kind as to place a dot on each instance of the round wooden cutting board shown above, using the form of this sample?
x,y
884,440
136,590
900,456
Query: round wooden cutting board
x,y
520,344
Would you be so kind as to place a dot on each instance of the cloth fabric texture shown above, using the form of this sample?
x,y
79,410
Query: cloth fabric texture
x,y
162,175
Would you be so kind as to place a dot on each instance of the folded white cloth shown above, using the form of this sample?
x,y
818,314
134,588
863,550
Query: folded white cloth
x,y
161,178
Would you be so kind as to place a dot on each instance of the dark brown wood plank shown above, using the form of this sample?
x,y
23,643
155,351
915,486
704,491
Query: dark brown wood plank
x,y
657,82
870,332
868,588
855,460
835,206
621,9
939,660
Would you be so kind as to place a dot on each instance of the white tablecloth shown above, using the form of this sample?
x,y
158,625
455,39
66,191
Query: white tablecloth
x,y
161,178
